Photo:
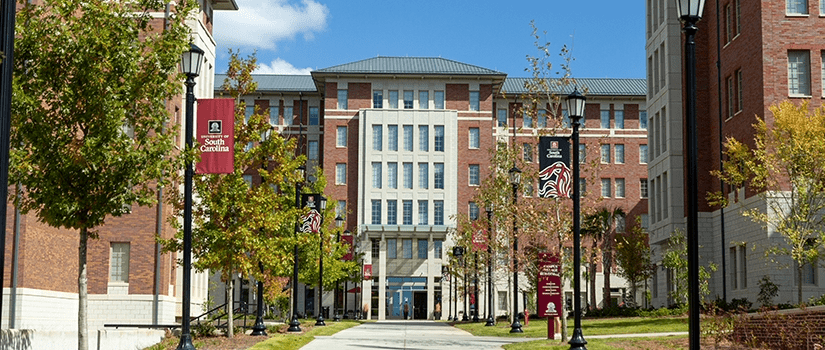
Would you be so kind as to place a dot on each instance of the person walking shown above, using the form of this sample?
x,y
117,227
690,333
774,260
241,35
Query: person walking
x,y
406,310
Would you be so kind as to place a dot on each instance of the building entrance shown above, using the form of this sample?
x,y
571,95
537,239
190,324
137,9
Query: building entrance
x,y
406,290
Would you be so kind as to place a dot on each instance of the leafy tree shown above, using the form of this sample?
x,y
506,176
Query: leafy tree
x,y
785,165
89,117
633,257
676,259
601,227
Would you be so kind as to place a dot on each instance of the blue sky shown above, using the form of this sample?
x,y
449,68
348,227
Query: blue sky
x,y
296,36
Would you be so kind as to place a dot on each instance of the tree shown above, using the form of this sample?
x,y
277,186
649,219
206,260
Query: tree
x,y
675,259
89,117
633,257
785,165
601,226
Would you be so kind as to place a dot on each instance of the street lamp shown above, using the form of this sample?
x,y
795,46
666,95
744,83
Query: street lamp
x,y
339,222
575,108
515,179
491,320
475,289
320,320
191,66
458,252
259,328
690,12
466,303
294,325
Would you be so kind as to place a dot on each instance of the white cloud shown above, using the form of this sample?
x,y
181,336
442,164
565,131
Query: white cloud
x,y
262,23
279,66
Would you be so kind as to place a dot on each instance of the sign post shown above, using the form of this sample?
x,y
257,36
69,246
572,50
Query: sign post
x,y
549,290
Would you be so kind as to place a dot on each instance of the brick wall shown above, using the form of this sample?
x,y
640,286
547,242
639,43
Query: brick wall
x,y
786,329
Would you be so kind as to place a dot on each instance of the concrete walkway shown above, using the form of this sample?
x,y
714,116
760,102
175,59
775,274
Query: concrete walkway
x,y
420,335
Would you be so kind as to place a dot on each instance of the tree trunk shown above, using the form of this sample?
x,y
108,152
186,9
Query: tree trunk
x,y
607,266
82,292
592,277
799,284
230,302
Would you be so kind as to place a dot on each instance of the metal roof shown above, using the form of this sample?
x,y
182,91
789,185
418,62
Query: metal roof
x,y
277,82
593,86
409,65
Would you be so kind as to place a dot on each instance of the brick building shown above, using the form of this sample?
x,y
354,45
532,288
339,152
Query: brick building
x,y
129,280
404,142
766,51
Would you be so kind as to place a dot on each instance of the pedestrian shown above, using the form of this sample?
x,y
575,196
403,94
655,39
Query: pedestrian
x,y
437,311
406,310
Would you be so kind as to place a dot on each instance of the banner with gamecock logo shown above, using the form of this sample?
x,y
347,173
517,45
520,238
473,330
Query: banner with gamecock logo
x,y
555,176
311,222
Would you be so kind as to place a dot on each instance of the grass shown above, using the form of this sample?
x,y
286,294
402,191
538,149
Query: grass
x,y
538,328
292,341
676,342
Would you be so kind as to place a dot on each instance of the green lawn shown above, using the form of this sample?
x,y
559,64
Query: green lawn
x,y
288,341
538,328
677,342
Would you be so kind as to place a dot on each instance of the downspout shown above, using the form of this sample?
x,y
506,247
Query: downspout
x,y
721,168
15,267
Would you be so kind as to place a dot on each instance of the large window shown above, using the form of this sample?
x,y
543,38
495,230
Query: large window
x,y
312,150
422,248
408,99
604,119
314,116
378,99
438,212
392,175
341,139
739,90
475,136
642,119
473,211
618,151
796,7
619,188
437,245
408,138
376,212
288,116
392,212
376,174
438,100
502,117
607,189
541,118
527,152
527,120
582,153
475,175
407,212
341,174
423,175
605,154
424,138
642,154
406,246
408,174
438,176
392,137
438,143
423,212
643,188
393,99
618,119
474,104
342,99
119,262
376,248
799,74
392,248
273,115
377,137
424,99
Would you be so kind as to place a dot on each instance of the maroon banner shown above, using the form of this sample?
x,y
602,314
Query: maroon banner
x,y
549,286
367,272
348,240
479,238
311,222
216,136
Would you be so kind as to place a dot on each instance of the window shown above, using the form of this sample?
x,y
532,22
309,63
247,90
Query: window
x,y
527,120
392,213
406,248
475,175
565,119
642,119
438,100
423,175
809,269
341,209
502,117
541,119
796,7
438,176
645,221
474,104
605,119
424,138
392,248
392,138
606,188
642,154
438,212
582,185
393,99
437,243
312,150
314,116
273,115
527,152
618,153
439,138
376,212
424,99
341,174
473,211
799,75
288,116
503,301
733,281
377,137
376,174
642,188
341,139
730,87
248,112
342,99
422,248
739,87
423,211
582,153
618,119
408,138
728,23
119,262
377,98
474,134
392,175
407,212
743,266
408,182
408,99
605,154
619,188
376,248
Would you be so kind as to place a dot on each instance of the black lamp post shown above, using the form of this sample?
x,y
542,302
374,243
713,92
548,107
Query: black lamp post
x,y
491,320
515,179
690,12
259,328
450,300
294,325
575,108
458,252
475,289
464,271
191,66
339,221
319,321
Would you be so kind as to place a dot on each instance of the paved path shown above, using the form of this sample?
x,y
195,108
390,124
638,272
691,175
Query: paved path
x,y
419,335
